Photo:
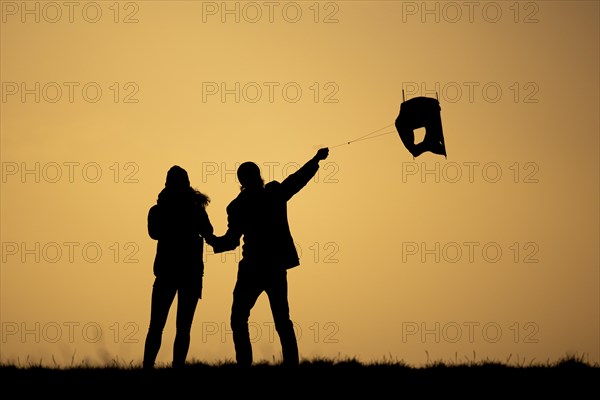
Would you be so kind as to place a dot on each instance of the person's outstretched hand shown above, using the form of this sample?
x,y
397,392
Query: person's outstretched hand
x,y
322,154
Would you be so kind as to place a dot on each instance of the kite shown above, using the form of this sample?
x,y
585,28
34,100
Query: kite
x,y
421,112
418,112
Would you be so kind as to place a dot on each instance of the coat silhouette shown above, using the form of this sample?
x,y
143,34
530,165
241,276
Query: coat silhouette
x,y
178,221
259,215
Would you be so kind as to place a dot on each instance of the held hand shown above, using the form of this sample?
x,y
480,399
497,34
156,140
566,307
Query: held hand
x,y
322,154
210,239
214,242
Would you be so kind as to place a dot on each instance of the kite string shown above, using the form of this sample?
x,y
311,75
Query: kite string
x,y
367,136
373,137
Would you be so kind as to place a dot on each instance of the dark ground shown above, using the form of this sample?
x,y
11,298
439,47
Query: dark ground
x,y
314,379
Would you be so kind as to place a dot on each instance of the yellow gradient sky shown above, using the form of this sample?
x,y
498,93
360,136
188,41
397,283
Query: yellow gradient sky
x,y
492,252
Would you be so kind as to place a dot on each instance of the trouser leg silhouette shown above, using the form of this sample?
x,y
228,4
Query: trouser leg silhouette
x,y
162,298
245,294
187,300
276,289
247,290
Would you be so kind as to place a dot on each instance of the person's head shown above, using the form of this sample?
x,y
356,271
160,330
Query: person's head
x,y
178,187
248,174
177,178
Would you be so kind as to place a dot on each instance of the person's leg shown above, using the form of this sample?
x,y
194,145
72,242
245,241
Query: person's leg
x,y
246,292
162,298
276,289
187,300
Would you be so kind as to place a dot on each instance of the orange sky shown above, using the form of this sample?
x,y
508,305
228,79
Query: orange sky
x,y
492,251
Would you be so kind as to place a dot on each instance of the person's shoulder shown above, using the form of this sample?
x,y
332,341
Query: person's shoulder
x,y
272,185
233,204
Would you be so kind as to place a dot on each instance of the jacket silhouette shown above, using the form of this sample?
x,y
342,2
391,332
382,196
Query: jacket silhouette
x,y
259,215
179,223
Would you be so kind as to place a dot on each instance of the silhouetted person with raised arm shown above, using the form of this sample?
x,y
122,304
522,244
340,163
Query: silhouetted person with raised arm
x,y
178,221
259,215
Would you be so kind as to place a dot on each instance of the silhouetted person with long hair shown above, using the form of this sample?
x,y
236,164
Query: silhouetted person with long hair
x,y
259,214
178,221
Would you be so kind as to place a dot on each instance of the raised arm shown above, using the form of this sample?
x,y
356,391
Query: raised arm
x,y
296,181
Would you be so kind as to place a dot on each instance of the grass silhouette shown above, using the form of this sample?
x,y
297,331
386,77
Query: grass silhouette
x,y
317,378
